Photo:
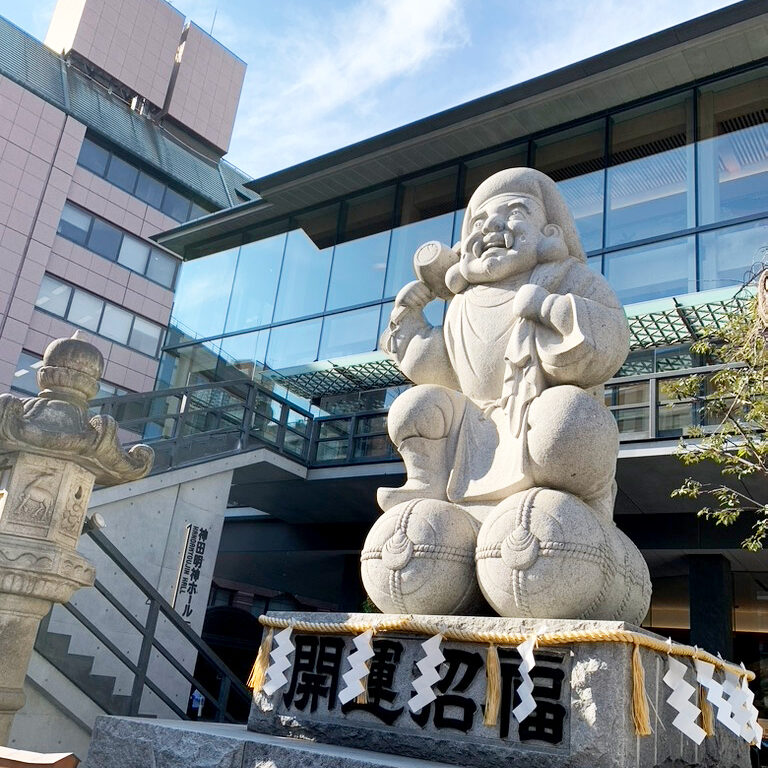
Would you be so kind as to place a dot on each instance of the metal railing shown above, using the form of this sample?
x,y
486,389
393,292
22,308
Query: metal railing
x,y
151,617
192,424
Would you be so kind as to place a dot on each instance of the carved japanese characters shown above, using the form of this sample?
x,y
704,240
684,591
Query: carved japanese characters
x,y
505,431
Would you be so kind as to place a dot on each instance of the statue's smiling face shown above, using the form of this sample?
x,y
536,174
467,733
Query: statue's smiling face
x,y
502,238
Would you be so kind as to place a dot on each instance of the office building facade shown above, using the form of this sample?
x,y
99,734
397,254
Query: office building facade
x,y
105,141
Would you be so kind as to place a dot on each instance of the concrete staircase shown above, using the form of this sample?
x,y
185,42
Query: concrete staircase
x,y
77,667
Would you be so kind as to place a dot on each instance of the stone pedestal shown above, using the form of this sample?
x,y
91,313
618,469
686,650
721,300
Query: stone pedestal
x,y
583,693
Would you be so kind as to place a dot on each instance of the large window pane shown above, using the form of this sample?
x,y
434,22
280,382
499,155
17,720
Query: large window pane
x,y
405,241
294,345
349,333
428,196
368,214
651,175
175,205
150,190
202,294
93,157
85,310
652,271
74,224
133,254
479,169
116,323
358,270
145,336
726,255
243,354
733,155
304,279
104,239
575,159
253,291
162,268
53,296
122,174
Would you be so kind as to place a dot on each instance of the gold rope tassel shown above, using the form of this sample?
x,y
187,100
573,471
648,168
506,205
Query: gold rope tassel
x,y
707,714
492,687
259,671
639,699
362,698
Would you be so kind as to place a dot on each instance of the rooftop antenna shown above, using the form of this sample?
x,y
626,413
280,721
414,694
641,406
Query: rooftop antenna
x,y
215,11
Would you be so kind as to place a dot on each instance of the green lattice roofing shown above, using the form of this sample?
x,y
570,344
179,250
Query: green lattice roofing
x,y
29,63
670,322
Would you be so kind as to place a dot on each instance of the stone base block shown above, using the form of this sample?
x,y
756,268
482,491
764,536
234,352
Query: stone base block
x,y
583,693
123,742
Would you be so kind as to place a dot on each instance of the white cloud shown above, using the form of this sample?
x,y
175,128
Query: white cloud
x,y
563,32
318,83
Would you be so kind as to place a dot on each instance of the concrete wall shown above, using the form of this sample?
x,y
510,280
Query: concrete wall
x,y
147,522
206,88
133,40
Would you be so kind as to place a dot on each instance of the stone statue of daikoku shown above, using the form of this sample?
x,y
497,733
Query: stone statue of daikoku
x,y
509,449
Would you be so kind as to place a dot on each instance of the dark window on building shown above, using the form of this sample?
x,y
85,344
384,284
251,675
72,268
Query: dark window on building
x,y
320,225
104,239
480,168
93,157
122,174
150,190
175,205
112,243
74,224
428,196
141,184
368,214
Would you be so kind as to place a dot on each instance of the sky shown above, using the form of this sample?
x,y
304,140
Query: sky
x,y
323,74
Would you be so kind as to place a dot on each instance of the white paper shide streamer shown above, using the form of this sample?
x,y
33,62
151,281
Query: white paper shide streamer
x,y
733,716
282,648
679,699
741,715
752,732
358,667
433,658
525,689
705,676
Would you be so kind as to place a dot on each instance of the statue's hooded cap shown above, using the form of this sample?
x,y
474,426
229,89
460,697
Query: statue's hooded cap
x,y
530,183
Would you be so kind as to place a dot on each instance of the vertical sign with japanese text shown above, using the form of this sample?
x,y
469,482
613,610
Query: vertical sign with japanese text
x,y
192,559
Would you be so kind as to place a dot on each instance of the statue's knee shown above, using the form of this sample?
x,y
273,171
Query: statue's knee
x,y
567,419
423,411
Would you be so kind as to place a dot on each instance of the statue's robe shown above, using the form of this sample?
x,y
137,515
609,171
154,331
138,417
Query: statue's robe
x,y
502,362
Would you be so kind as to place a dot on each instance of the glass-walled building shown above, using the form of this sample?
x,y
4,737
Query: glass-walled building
x,y
670,196
661,150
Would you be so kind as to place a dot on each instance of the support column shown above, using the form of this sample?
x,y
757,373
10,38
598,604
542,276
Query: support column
x,y
711,600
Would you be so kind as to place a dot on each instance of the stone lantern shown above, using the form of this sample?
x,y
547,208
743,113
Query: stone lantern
x,y
51,454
